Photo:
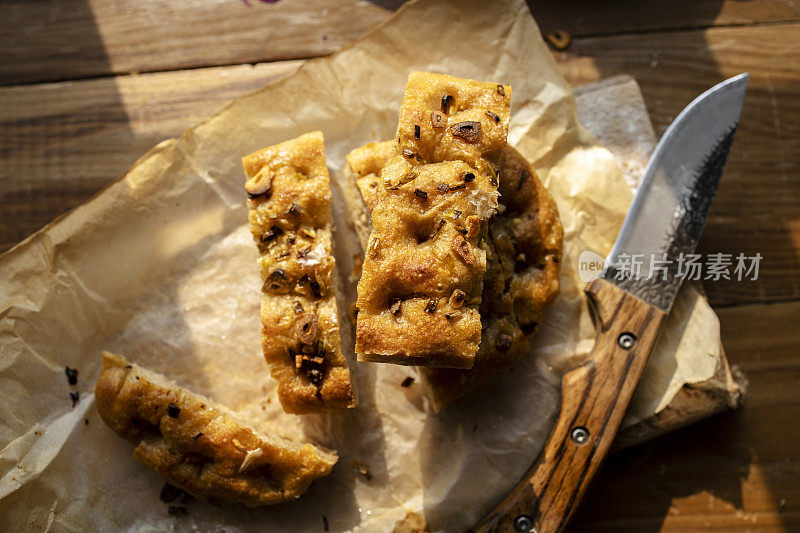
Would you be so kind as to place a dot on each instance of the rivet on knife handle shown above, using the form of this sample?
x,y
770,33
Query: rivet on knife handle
x,y
594,398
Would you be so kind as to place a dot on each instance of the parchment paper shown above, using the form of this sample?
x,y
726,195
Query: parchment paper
x,y
160,267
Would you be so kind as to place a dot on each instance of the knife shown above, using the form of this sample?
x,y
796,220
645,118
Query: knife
x,y
629,303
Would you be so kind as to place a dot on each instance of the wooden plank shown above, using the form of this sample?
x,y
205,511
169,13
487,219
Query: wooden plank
x,y
590,17
60,143
737,471
756,206
83,134
54,40
66,39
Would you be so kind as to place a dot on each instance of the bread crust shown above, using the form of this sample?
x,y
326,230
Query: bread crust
x,y
422,276
522,276
290,218
362,178
198,445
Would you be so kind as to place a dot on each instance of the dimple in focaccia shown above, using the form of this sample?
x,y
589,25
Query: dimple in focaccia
x,y
289,198
422,277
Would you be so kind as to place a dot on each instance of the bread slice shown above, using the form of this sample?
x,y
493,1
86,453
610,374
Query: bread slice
x,y
200,446
522,275
523,281
289,201
361,182
423,270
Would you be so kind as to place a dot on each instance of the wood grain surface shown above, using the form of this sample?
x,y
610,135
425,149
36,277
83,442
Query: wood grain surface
x,y
62,141
67,39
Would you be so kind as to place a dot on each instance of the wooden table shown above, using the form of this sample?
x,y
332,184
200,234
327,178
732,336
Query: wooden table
x,y
86,86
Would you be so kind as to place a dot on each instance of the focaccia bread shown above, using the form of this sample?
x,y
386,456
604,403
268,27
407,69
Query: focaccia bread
x,y
289,199
529,240
523,281
200,446
362,179
522,275
423,270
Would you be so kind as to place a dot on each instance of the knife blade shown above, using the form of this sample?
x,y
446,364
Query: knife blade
x,y
629,304
670,208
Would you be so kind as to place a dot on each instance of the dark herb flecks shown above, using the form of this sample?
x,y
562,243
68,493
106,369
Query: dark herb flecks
x,y
72,375
316,290
295,209
75,397
447,101
431,306
438,227
457,298
173,410
438,119
469,130
312,366
271,233
277,274
522,176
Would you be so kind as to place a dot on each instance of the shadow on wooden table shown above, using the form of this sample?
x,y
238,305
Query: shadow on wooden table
x,y
53,143
637,490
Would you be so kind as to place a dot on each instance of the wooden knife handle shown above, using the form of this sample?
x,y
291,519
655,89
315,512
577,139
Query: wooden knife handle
x,y
594,398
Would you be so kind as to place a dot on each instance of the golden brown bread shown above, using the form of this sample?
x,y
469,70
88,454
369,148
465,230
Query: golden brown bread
x,y
520,284
522,276
362,177
423,270
289,200
200,446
